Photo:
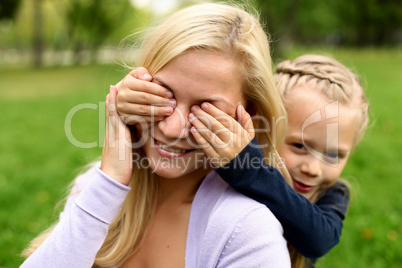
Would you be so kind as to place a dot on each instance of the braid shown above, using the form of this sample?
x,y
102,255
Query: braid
x,y
329,77
315,72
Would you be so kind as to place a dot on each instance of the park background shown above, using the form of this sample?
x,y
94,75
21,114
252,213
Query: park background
x,y
55,55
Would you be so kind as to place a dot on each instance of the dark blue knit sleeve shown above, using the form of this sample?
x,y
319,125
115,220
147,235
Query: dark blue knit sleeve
x,y
313,229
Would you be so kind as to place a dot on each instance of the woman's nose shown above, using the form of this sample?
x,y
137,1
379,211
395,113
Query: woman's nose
x,y
176,126
312,167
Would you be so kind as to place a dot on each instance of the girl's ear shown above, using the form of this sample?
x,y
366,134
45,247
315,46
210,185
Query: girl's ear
x,y
251,109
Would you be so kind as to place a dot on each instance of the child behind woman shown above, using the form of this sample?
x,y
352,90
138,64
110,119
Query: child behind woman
x,y
327,116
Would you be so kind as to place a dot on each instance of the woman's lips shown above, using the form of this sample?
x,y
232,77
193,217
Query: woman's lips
x,y
301,186
167,151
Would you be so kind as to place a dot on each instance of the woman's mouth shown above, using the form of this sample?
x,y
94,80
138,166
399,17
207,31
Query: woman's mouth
x,y
301,186
168,151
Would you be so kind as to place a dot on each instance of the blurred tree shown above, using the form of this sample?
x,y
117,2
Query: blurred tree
x,y
310,22
280,19
38,44
90,22
8,8
369,22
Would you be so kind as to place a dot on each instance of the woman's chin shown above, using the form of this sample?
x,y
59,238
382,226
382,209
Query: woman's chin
x,y
176,173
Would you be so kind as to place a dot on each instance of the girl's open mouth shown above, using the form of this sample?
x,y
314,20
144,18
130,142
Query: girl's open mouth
x,y
301,186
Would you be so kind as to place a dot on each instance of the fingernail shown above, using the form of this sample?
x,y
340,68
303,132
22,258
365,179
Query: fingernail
x,y
193,130
146,75
204,106
172,102
168,110
191,116
194,108
169,94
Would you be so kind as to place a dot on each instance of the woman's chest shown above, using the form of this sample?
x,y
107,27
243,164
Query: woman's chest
x,y
164,243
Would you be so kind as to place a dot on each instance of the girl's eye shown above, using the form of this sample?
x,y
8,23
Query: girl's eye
x,y
299,146
332,155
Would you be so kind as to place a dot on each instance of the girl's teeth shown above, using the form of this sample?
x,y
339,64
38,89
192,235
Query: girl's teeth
x,y
167,148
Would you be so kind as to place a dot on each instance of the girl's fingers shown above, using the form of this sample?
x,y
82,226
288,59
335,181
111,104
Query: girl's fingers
x,y
144,98
203,143
144,110
141,73
135,119
225,119
245,119
136,84
215,156
205,131
221,124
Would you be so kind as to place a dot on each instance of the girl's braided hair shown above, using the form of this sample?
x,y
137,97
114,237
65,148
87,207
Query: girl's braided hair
x,y
331,78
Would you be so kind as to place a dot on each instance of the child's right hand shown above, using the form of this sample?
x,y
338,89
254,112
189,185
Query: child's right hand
x,y
140,100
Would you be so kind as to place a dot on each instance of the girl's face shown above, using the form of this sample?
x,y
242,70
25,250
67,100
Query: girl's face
x,y
193,77
318,142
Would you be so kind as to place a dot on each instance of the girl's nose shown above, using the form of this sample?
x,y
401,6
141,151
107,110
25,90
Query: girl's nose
x,y
176,126
312,167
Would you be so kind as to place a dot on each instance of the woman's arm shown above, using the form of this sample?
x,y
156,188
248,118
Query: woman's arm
x,y
83,225
248,174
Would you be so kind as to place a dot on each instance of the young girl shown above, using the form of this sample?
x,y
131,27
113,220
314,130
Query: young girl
x,y
152,201
327,116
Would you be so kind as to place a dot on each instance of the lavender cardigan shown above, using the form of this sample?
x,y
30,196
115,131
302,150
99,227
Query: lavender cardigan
x,y
226,229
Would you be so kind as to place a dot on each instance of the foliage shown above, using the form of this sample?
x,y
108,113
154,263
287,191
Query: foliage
x,y
8,8
91,22
82,26
341,22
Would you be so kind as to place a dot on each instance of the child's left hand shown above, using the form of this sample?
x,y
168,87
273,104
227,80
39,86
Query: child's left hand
x,y
221,137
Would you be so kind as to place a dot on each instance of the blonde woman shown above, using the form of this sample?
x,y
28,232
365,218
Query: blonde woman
x,y
154,200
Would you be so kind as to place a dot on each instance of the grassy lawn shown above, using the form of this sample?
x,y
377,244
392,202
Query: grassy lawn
x,y
37,161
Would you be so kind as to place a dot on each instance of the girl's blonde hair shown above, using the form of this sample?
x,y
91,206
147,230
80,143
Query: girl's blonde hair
x,y
335,81
214,27
331,78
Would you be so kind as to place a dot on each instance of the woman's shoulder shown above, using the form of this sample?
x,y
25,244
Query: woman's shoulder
x,y
244,209
228,205
246,232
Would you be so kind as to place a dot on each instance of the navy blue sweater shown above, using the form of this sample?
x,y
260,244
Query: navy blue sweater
x,y
313,229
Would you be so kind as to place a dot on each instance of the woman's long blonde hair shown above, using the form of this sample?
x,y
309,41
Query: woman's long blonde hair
x,y
335,81
214,27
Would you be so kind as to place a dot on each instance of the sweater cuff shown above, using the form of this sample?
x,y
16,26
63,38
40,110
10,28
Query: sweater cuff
x,y
102,197
249,159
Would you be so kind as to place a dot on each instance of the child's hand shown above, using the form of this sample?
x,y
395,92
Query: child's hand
x,y
140,100
220,135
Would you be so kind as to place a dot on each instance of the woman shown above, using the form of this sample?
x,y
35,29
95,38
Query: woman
x,y
164,205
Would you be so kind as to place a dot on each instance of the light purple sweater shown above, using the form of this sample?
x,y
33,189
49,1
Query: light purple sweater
x,y
226,229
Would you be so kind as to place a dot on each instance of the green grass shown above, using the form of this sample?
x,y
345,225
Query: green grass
x,y
37,162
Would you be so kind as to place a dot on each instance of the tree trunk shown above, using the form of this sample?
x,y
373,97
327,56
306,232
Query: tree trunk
x,y
37,33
